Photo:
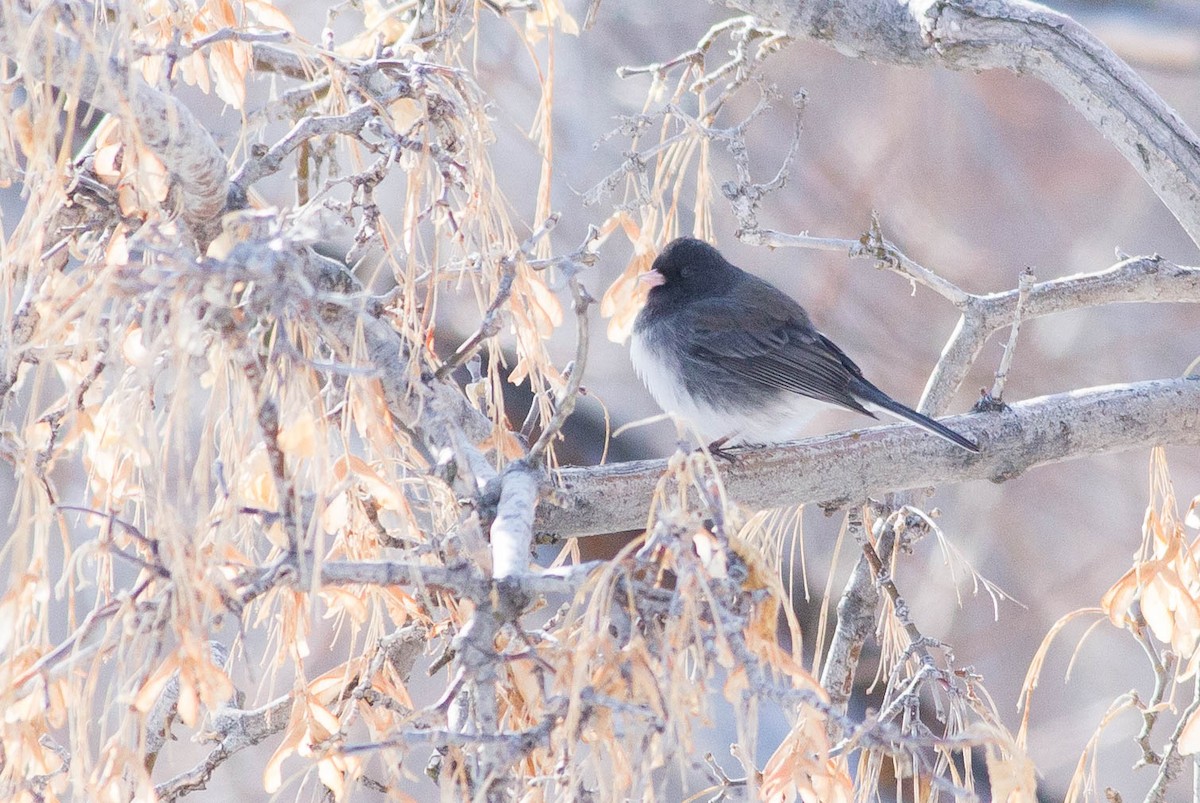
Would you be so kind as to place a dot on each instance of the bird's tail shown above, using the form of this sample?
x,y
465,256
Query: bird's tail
x,y
873,396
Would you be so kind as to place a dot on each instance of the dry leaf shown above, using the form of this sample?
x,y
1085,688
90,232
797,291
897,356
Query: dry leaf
x,y
1013,777
298,436
1118,599
21,121
293,735
344,601
253,482
545,16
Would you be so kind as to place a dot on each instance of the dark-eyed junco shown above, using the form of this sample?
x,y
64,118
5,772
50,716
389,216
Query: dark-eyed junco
x,y
739,359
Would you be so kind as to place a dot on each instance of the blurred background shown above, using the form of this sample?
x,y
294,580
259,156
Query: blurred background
x,y
974,176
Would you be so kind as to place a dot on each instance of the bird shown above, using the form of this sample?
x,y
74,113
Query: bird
x,y
739,359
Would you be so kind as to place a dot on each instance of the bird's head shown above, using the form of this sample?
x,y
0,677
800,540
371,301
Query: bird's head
x,y
690,268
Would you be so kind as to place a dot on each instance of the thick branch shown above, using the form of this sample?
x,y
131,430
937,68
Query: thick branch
x,y
855,624
463,579
1026,38
166,126
840,468
512,530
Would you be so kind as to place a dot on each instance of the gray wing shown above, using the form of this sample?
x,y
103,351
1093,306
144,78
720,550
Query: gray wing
x,y
776,347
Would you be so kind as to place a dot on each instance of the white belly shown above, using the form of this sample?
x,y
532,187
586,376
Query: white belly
x,y
781,418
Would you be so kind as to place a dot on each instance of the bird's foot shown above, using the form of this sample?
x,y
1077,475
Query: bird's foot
x,y
718,449
988,403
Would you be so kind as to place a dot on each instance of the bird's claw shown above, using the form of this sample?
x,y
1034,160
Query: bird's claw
x,y
717,449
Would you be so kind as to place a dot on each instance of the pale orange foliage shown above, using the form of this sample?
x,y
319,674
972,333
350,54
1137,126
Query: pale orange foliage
x,y
1165,580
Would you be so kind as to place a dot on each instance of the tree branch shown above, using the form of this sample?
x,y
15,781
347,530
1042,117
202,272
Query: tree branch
x,y
1138,279
239,730
1026,38
463,578
167,126
855,623
512,530
566,403
835,469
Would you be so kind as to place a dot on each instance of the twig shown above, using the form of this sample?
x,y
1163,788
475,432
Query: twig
x,y
350,123
778,239
256,582
175,50
234,330
71,646
285,492
269,58
112,519
883,578
237,35
744,195
1172,760
239,729
887,255
490,325
1138,279
1163,674
583,256
745,25
741,68
1024,282
909,694
517,742
566,402
871,245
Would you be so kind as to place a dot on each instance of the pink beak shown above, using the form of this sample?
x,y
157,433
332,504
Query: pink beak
x,y
651,278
